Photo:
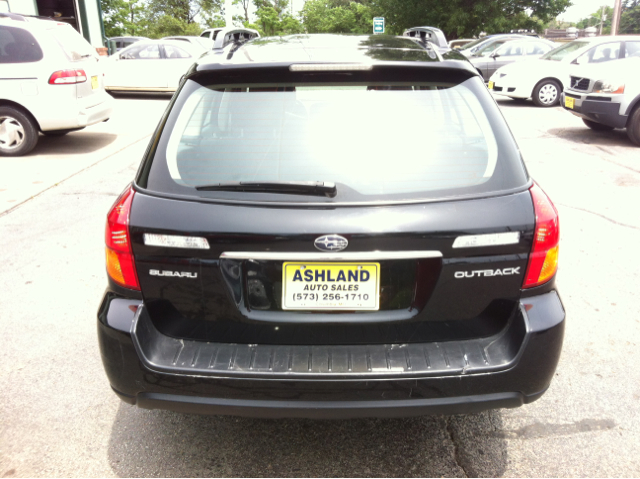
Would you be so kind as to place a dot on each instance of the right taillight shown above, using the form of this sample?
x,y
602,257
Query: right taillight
x,y
120,265
66,77
543,260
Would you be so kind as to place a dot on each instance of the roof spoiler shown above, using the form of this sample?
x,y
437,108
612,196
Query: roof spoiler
x,y
227,36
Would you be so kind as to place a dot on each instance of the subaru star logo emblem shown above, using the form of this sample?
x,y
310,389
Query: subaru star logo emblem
x,y
331,243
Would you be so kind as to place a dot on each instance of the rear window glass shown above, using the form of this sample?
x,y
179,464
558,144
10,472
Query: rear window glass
x,y
73,44
374,140
18,46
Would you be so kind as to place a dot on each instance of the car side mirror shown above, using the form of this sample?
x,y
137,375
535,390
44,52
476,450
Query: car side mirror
x,y
495,55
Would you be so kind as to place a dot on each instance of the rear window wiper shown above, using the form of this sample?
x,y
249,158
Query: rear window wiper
x,y
313,188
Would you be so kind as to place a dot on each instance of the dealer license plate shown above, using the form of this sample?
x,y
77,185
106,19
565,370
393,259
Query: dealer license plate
x,y
331,286
490,85
94,82
569,102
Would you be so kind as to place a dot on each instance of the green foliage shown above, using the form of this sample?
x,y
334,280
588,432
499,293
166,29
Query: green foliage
x,y
123,17
274,20
166,25
466,18
160,18
337,16
630,18
594,19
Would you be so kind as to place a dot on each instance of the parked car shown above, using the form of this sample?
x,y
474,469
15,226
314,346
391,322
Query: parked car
x,y
459,43
124,42
485,46
543,80
51,82
211,33
509,52
430,34
289,248
607,96
200,42
151,65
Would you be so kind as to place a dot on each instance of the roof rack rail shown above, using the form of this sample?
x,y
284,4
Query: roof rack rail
x,y
228,36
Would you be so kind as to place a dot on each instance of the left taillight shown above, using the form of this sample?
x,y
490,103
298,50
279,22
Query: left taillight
x,y
120,265
66,77
543,260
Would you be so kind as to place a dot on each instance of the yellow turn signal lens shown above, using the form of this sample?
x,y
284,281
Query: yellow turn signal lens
x,y
550,265
113,266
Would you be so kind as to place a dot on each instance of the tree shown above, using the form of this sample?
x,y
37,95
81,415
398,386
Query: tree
x,y
630,18
185,10
466,18
595,18
337,16
123,17
270,23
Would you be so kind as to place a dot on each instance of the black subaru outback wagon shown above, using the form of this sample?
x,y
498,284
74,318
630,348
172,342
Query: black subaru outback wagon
x,y
331,226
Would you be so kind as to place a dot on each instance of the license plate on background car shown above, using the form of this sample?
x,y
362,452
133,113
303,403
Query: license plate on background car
x,y
94,82
490,85
569,102
331,286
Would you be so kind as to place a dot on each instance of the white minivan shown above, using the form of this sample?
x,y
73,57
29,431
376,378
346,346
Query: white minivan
x,y
51,81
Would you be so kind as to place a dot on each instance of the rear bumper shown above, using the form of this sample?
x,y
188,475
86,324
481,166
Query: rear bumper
x,y
146,369
73,114
596,109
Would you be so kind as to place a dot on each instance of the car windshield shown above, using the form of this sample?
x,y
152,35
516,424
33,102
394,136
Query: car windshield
x,y
557,54
374,140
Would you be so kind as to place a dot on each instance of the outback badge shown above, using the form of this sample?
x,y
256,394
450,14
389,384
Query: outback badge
x,y
331,243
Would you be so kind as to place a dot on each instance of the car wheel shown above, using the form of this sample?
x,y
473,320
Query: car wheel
x,y
597,126
18,132
633,126
547,93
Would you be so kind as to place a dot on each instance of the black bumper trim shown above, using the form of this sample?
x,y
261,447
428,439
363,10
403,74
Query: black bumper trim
x,y
604,112
267,361
333,409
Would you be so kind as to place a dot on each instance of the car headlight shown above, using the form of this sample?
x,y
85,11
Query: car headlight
x,y
605,86
502,75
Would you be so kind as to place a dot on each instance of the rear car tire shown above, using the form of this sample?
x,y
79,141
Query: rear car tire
x,y
18,132
547,93
597,126
633,126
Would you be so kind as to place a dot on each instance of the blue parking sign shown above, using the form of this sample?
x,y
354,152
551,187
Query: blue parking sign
x,y
378,25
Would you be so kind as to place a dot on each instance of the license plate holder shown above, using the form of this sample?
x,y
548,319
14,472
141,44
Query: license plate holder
x,y
569,102
331,286
94,82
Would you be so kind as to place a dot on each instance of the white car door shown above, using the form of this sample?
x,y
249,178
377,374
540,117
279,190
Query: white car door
x,y
177,62
139,67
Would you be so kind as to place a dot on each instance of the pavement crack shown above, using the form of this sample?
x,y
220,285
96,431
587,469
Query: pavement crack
x,y
600,215
457,454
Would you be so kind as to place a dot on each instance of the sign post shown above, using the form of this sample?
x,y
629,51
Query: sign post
x,y
378,25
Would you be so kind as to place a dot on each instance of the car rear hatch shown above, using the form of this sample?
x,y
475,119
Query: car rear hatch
x,y
374,211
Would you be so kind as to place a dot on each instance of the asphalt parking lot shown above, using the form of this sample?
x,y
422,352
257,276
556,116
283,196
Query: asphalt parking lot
x,y
58,416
